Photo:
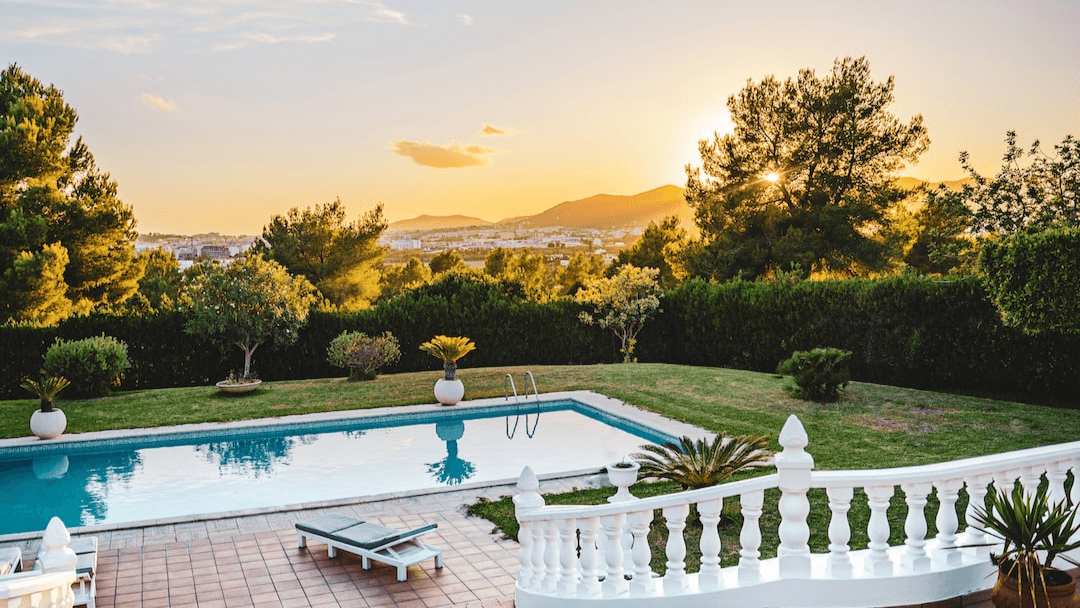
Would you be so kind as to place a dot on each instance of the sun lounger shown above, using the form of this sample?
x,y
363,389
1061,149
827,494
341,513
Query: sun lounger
x,y
371,542
10,560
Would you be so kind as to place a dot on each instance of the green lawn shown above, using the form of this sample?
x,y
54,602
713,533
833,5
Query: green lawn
x,y
871,426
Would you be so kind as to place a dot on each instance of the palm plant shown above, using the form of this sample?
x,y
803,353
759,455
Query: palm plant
x,y
46,390
449,349
700,464
1029,524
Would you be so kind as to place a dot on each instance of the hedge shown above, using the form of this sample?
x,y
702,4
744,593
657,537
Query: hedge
x,y
905,331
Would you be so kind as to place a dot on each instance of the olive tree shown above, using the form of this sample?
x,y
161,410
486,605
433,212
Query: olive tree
x,y
246,303
622,303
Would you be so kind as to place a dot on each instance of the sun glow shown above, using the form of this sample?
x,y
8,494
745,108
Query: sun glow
x,y
772,177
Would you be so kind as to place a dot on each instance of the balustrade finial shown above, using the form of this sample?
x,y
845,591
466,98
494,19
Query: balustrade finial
x,y
793,435
56,555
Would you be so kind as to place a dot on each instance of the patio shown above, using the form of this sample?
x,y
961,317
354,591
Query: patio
x,y
253,560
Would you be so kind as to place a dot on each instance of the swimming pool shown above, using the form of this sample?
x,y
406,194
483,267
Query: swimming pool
x,y
182,474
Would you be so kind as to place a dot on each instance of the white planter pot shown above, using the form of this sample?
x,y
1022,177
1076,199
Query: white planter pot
x,y
622,478
245,387
48,425
449,392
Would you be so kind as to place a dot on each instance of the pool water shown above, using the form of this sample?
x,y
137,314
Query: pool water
x,y
123,481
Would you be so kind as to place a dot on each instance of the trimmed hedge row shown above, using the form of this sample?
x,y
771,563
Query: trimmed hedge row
x,y
905,331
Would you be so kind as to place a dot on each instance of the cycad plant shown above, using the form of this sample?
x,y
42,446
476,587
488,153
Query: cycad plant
x,y
1029,524
700,464
449,349
46,390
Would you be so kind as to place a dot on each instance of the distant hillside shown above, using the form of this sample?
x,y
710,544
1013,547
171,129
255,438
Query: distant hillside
x,y
606,211
437,222
910,183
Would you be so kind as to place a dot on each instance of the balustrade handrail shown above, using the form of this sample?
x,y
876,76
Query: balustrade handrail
x,y
978,465
726,490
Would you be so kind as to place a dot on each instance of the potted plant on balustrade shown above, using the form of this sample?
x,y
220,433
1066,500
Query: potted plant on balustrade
x,y
47,422
1029,526
449,390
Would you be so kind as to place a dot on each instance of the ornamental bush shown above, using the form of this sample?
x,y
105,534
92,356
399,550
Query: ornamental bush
x,y
819,374
363,355
93,365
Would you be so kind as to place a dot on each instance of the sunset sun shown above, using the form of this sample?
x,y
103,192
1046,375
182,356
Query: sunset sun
x,y
772,177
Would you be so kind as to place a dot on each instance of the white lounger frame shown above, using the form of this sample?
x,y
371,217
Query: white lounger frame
x,y
401,553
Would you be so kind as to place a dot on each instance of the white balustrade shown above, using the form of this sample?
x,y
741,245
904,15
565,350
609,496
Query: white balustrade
x,y
573,554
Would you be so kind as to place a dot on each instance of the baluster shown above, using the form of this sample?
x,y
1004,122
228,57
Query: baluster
x,y
976,489
530,564
1055,476
709,575
915,526
750,536
675,579
947,491
1076,482
641,554
614,581
1005,481
1029,479
525,548
589,585
839,531
568,572
793,466
878,529
551,556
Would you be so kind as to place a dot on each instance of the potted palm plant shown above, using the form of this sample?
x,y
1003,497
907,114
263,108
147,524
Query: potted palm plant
x,y
47,422
1031,526
449,390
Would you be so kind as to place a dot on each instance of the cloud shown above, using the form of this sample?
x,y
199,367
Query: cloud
x,y
380,13
490,130
251,38
158,102
465,19
450,156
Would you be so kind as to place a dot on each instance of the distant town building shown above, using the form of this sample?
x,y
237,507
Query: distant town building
x,y
215,252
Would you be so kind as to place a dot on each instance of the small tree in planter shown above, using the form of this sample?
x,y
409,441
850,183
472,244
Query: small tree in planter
x,y
247,303
449,390
363,355
623,303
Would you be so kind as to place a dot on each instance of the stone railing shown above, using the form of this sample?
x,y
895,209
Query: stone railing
x,y
49,584
569,555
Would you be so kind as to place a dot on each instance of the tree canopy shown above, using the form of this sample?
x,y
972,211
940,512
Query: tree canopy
x,y
246,303
1041,193
661,247
338,258
806,178
65,236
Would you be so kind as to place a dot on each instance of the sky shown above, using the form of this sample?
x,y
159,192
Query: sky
x,y
215,115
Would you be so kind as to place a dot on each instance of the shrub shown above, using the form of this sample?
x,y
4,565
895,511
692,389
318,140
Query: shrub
x,y
93,365
820,374
702,464
363,355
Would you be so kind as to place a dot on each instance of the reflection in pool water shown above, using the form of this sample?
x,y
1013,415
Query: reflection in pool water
x,y
268,467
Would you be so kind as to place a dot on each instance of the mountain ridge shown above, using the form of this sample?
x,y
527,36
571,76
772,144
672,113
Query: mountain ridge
x,y
606,211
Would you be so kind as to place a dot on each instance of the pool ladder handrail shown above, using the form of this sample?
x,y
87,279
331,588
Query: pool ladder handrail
x,y
508,383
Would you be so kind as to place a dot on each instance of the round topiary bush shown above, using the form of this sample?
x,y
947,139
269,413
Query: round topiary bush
x,y
363,355
93,365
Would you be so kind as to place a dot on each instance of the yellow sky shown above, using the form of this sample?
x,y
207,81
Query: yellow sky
x,y
214,115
